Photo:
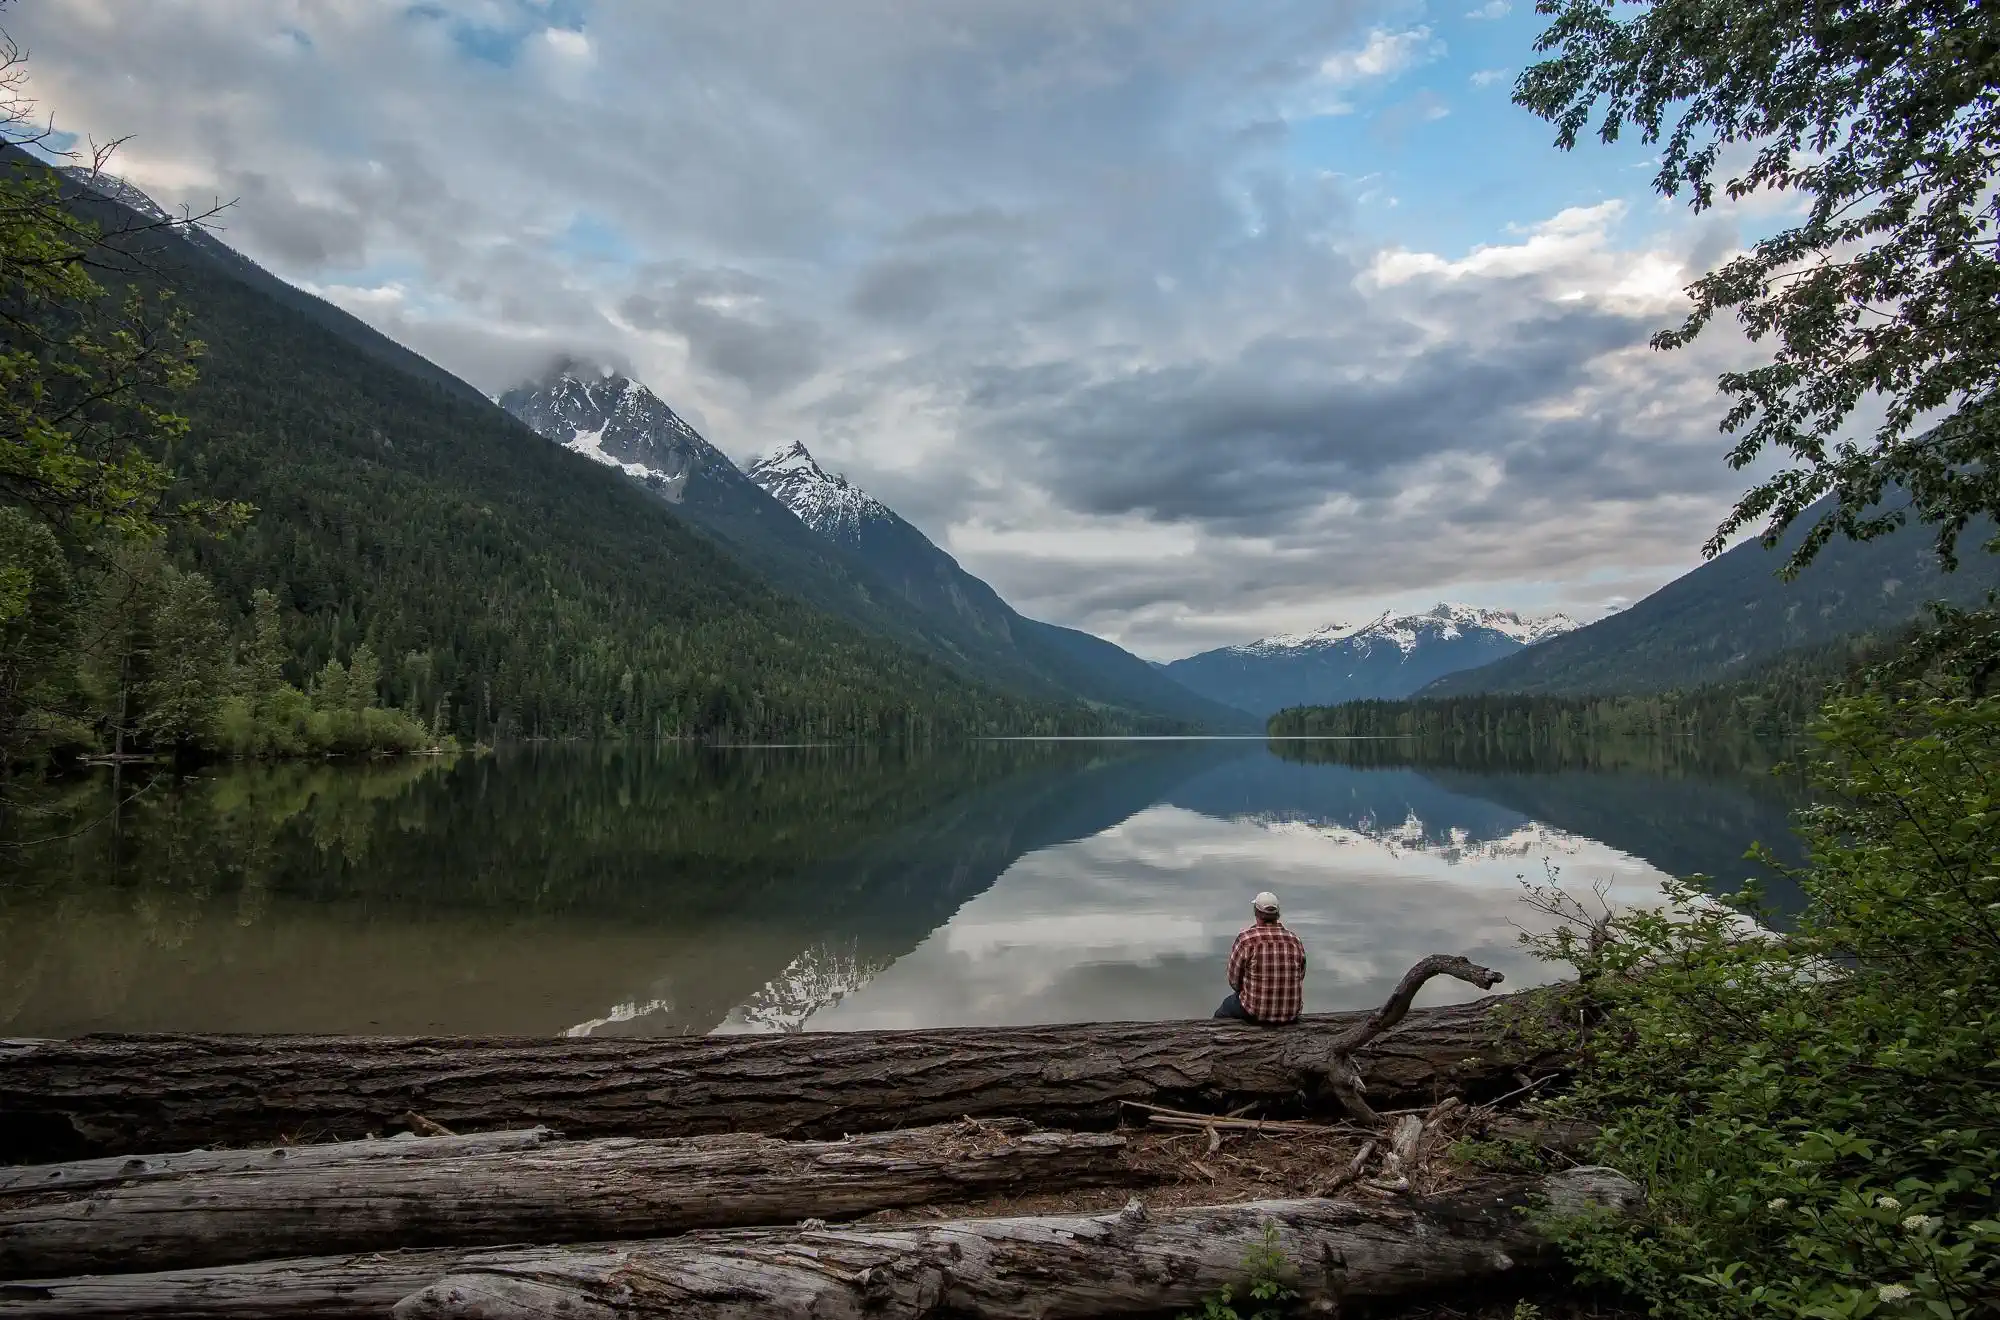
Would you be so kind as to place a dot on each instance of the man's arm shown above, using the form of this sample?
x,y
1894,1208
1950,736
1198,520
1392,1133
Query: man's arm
x,y
1236,965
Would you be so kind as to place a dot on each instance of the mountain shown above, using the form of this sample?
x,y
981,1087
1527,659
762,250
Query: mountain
x,y
507,585
825,502
824,540
618,423
1388,657
932,581
1718,621
143,221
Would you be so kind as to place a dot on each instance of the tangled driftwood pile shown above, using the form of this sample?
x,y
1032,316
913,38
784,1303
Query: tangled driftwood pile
x,y
892,1174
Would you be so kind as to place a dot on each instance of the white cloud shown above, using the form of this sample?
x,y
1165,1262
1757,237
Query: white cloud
x,y
567,43
1487,77
1383,55
1490,10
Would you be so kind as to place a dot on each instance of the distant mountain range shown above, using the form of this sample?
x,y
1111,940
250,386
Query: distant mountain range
x,y
1718,621
1391,656
823,539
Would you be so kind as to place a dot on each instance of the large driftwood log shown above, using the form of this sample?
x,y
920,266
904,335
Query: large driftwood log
x,y
379,1195
1046,1268
1043,1268
99,1095
358,1287
83,1175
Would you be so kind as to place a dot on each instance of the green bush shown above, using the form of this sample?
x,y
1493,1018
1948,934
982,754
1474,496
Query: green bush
x,y
1815,1117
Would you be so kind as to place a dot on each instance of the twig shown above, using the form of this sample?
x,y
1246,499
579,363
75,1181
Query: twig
x,y
1259,1169
422,1126
1177,1113
1351,1174
1244,1124
1521,1090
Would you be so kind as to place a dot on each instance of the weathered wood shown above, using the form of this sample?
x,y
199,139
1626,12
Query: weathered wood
x,y
1566,1136
1344,1079
1039,1267
99,1095
359,1287
1044,1268
617,1187
82,1175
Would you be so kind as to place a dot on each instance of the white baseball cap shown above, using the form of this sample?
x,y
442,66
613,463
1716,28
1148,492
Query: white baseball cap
x,y
1265,902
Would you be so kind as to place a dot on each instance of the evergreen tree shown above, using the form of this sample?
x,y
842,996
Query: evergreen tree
x,y
185,662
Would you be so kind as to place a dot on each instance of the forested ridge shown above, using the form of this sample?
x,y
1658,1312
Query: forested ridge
x,y
1768,708
485,584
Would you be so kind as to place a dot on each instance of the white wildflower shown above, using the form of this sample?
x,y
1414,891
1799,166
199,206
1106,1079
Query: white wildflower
x,y
1918,1223
1776,1203
1892,1292
1888,1203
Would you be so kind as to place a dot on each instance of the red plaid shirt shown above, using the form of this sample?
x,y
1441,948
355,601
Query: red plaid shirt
x,y
1267,970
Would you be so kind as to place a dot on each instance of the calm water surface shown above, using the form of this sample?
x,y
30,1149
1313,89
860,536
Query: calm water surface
x,y
641,891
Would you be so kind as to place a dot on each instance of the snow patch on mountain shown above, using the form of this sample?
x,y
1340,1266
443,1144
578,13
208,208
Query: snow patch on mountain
x,y
614,420
116,189
824,501
1443,622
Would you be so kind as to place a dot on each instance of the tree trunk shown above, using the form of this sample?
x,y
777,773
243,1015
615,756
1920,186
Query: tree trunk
x,y
359,1287
123,1094
84,1175
1040,1268
387,1194
1047,1268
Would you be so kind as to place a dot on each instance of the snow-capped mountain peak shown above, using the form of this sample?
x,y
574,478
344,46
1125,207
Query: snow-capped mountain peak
x,y
1390,656
1443,622
824,501
614,420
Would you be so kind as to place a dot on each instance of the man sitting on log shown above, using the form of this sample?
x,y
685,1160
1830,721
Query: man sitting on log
x,y
1267,969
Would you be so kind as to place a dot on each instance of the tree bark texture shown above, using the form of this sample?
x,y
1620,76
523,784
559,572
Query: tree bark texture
x,y
357,1287
619,1187
117,1170
1036,1268
106,1095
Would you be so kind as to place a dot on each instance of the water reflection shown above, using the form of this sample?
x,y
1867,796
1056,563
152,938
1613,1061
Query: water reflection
x,y
648,891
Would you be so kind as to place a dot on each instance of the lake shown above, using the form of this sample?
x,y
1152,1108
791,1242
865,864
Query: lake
x,y
620,890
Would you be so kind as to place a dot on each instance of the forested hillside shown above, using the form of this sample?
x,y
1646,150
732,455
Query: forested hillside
x,y
509,588
1720,621
1751,719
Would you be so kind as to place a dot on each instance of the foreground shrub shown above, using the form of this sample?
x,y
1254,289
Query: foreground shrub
x,y
1816,1116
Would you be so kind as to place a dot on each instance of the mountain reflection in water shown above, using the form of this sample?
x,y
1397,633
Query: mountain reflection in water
x,y
662,891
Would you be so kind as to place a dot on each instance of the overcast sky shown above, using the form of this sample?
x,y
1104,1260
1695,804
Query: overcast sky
x,y
1182,321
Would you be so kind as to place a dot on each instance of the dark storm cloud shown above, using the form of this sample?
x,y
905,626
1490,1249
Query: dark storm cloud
x,y
1270,432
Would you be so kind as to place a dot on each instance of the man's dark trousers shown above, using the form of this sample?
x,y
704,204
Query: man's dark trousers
x,y
1232,1007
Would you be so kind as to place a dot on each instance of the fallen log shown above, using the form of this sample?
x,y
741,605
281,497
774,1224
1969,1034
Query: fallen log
x,y
376,1195
101,1095
1043,1267
358,1287
1031,1269
82,1175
